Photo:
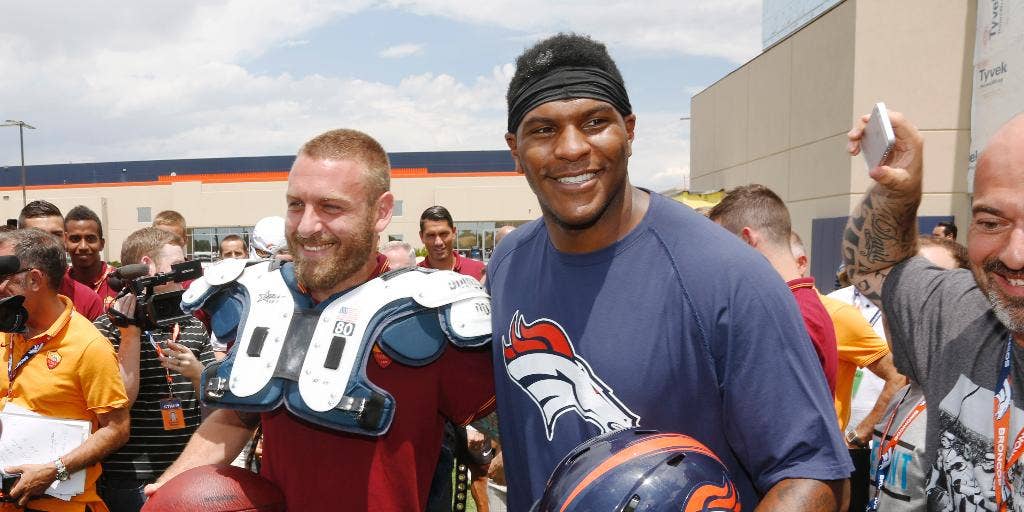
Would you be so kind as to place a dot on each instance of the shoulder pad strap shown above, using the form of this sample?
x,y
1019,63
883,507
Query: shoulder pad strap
x,y
443,287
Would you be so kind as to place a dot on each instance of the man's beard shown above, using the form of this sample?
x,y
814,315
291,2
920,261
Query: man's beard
x,y
347,257
1009,310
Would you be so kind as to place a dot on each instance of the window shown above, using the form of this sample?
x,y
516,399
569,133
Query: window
x,y
145,214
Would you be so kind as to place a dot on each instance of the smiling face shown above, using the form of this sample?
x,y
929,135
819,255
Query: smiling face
x,y
996,237
84,243
574,154
438,237
332,225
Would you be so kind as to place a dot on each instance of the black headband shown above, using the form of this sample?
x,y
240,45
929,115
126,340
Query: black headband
x,y
567,83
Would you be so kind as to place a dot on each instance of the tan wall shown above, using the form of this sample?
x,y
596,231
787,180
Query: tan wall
x,y
499,198
781,119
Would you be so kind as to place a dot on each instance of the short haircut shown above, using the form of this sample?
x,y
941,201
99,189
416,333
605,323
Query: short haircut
x,y
38,209
757,207
561,51
948,227
234,238
436,213
147,242
169,218
346,144
955,250
39,250
399,244
80,213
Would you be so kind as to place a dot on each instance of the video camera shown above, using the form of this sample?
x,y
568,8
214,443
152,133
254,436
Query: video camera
x,y
13,315
152,309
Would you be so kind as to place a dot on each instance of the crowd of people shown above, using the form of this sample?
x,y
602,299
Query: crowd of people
x,y
360,379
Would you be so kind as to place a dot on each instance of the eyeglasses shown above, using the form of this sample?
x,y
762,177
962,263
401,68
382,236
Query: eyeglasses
x,y
4,279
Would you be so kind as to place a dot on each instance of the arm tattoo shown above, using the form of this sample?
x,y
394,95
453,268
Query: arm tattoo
x,y
881,233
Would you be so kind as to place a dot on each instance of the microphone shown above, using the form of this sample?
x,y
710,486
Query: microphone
x,y
9,265
127,273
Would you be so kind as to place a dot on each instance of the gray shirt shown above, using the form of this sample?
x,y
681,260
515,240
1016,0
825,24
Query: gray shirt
x,y
946,338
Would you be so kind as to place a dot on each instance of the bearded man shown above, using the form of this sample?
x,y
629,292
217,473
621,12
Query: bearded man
x,y
956,333
353,374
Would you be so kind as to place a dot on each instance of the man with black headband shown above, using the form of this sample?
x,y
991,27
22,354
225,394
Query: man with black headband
x,y
621,308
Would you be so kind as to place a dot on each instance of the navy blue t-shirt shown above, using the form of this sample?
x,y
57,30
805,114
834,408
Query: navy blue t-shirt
x,y
679,326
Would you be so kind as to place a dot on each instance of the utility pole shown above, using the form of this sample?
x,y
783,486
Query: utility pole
x,y
21,138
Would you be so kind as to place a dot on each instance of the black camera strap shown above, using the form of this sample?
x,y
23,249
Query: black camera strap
x,y
13,369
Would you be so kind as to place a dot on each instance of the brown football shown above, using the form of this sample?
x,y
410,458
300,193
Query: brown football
x,y
216,488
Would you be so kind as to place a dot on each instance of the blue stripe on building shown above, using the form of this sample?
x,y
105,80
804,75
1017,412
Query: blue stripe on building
x,y
436,162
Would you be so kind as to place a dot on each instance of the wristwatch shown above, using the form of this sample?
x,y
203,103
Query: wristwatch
x,y
851,437
62,470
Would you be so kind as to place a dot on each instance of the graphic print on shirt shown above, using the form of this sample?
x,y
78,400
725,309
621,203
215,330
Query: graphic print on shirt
x,y
541,360
961,477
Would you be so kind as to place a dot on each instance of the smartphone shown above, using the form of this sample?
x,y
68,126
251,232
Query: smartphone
x,y
878,139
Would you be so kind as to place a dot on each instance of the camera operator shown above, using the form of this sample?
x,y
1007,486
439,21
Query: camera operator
x,y
161,369
60,367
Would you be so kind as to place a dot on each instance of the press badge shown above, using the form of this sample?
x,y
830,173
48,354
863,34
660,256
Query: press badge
x,y
174,418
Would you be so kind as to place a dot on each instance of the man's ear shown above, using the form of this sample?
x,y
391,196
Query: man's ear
x,y
630,121
149,262
750,236
513,146
385,206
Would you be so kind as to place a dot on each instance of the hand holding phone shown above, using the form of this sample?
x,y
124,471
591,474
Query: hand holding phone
x,y
878,140
893,150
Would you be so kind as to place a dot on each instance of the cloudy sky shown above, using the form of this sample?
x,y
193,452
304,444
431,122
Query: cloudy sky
x,y
157,80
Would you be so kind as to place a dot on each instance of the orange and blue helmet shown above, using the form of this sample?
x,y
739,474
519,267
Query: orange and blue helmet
x,y
638,470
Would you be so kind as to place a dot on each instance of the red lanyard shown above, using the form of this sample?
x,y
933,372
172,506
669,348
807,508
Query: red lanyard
x,y
160,352
1002,403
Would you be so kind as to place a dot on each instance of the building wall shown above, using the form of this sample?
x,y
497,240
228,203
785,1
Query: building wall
x,y
781,119
216,204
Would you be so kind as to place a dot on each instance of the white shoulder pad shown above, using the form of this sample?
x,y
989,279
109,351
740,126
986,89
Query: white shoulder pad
x,y
444,287
214,277
470,318
224,271
197,293
267,315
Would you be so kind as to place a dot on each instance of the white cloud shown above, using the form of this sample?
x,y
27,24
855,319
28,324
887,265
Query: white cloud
x,y
150,80
723,28
400,51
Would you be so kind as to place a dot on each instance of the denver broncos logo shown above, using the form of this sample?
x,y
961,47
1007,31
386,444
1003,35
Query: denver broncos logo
x,y
713,498
540,359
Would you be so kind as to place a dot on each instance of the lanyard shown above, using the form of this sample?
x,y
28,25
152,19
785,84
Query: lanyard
x,y
1002,403
885,449
160,352
12,369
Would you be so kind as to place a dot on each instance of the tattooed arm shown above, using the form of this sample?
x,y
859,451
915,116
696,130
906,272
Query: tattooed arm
x,y
883,230
805,495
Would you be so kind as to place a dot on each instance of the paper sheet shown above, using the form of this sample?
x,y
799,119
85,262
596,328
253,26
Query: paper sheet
x,y
29,438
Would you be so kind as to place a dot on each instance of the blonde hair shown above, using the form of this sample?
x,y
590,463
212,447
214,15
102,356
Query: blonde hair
x,y
347,144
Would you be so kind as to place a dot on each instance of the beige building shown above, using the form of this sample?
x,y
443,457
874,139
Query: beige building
x,y
218,197
781,119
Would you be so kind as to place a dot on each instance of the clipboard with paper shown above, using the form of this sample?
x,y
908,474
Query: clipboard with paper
x,y
30,438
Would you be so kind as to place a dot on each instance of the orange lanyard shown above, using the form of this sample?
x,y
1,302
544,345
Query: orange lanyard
x,y
1002,403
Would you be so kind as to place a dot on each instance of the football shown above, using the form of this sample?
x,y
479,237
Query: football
x,y
216,488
